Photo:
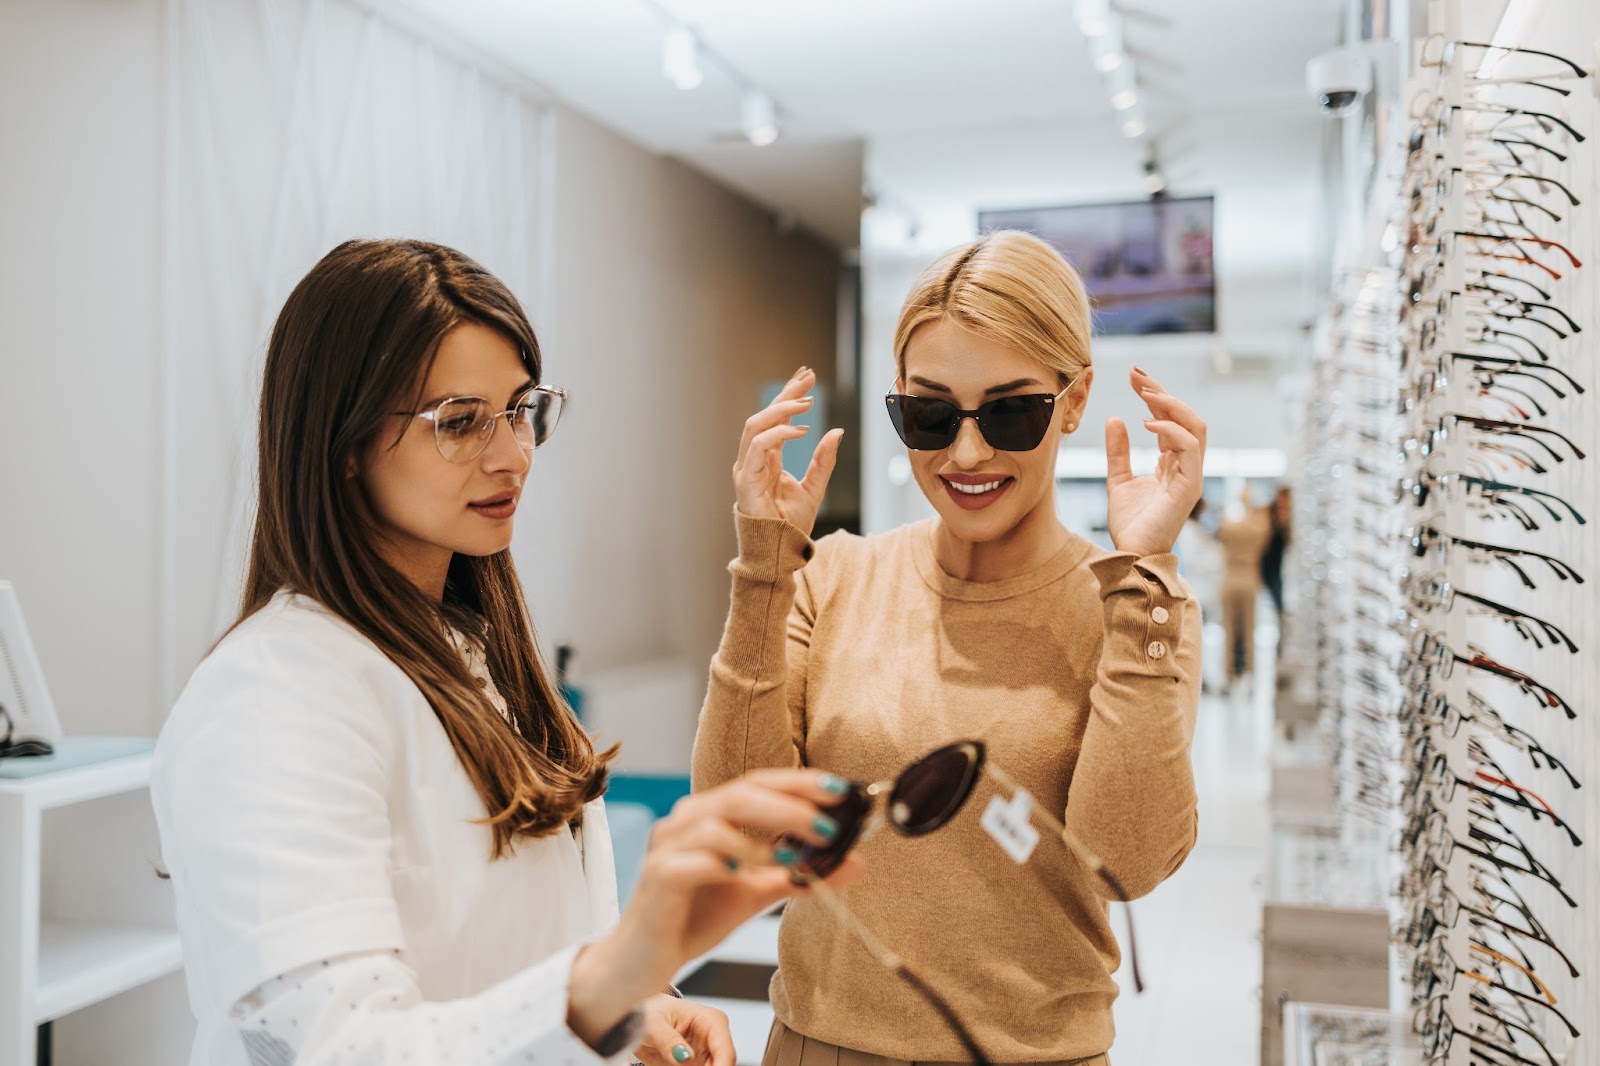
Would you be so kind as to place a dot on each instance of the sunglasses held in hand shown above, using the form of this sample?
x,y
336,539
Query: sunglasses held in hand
x,y
924,797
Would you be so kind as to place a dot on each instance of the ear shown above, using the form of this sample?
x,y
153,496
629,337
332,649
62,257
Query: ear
x,y
351,471
1076,400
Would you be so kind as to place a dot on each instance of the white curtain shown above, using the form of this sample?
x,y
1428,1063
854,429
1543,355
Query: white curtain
x,y
298,124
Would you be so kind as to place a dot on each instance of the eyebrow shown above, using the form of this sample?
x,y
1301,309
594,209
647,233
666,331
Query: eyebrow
x,y
1010,386
434,400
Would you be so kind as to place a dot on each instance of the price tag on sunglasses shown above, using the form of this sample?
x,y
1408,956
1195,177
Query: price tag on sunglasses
x,y
1008,824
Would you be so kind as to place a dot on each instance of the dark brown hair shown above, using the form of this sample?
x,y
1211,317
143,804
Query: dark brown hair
x,y
353,344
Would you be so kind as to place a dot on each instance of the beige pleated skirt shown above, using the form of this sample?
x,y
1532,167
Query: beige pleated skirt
x,y
788,1048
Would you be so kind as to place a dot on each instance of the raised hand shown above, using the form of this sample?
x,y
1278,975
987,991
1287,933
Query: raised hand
x,y
763,488
1146,513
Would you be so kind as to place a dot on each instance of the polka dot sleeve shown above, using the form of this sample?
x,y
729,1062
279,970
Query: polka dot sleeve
x,y
367,1010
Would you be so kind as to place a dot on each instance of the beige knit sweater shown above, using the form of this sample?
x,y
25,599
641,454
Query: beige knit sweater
x,y
857,655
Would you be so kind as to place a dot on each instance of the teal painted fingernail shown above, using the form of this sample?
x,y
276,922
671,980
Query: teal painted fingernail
x,y
732,865
825,827
784,855
834,784
682,1053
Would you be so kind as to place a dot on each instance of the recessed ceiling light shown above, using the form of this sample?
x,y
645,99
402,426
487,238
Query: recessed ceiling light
x,y
1134,127
1125,99
1106,62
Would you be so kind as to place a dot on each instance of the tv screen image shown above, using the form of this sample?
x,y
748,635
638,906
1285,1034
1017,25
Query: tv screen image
x,y
1147,264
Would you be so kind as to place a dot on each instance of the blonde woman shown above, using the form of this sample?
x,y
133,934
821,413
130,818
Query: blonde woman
x,y
1078,668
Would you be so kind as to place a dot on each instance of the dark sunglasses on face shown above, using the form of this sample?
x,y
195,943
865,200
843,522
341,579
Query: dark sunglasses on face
x,y
1009,424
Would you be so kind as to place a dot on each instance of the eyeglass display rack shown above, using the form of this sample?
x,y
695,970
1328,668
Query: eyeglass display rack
x,y
1449,485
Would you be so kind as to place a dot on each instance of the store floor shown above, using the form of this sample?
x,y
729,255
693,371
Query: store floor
x,y
1198,934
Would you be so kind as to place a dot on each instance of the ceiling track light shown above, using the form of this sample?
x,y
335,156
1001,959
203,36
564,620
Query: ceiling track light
x,y
1093,17
1155,182
1107,50
680,58
1133,127
1125,99
758,118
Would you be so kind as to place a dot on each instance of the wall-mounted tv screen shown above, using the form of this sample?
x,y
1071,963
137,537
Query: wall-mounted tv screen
x,y
1147,263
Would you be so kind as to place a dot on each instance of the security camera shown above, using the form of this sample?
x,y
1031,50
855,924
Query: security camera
x,y
1339,78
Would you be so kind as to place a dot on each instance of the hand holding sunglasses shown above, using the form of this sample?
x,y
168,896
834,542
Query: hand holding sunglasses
x,y
924,797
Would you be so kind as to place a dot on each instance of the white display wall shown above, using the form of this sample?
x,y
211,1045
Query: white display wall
x,y
1451,485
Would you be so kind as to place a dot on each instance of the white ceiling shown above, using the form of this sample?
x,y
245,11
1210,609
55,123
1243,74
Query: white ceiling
x,y
957,104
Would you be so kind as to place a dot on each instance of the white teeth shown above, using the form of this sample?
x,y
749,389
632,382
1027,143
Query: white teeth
x,y
976,490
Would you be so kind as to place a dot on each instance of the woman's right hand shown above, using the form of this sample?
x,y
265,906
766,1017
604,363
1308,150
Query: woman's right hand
x,y
711,867
763,487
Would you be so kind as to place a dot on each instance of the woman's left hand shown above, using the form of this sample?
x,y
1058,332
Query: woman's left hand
x,y
679,1032
1146,513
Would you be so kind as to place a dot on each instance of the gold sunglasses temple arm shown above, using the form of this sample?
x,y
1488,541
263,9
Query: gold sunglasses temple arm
x,y
1087,857
836,906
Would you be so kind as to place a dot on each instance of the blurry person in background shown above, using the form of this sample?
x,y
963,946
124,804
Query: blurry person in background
x,y
1201,563
1243,534
1279,513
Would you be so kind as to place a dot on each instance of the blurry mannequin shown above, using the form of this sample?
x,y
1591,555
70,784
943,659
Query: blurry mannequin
x,y
1243,534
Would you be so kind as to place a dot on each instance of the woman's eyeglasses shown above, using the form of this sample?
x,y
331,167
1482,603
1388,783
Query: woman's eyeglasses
x,y
1009,424
463,425
922,798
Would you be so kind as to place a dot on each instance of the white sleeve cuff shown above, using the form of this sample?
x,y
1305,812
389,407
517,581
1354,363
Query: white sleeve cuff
x,y
368,1009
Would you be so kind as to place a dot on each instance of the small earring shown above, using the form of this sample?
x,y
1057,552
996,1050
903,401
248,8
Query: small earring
x,y
1072,427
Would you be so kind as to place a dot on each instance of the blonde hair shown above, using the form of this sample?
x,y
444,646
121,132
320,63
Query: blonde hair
x,y
1011,287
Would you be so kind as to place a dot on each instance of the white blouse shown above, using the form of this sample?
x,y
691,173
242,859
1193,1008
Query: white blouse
x,y
336,902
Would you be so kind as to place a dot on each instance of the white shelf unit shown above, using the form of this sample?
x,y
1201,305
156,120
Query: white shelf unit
x,y
83,916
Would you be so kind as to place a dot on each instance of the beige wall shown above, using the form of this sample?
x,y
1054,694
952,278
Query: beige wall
x,y
80,229
670,301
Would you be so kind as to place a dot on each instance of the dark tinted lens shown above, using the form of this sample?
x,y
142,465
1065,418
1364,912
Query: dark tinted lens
x,y
924,424
1016,423
851,814
930,791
